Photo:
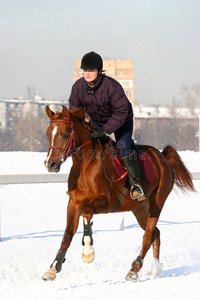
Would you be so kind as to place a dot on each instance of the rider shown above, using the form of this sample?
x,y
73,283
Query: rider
x,y
110,111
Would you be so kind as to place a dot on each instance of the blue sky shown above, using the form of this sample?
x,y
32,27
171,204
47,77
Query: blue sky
x,y
41,39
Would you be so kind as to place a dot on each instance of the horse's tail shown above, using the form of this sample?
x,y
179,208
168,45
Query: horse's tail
x,y
182,176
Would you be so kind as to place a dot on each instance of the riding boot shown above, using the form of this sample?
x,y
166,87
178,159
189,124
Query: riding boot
x,y
132,165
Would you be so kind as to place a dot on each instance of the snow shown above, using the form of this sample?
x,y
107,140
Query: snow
x,y
33,219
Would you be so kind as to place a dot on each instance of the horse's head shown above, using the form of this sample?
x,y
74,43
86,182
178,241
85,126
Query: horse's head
x,y
60,135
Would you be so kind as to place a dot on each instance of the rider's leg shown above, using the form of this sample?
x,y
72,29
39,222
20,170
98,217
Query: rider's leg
x,y
124,139
96,126
132,165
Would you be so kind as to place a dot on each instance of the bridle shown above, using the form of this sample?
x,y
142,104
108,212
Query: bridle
x,y
70,148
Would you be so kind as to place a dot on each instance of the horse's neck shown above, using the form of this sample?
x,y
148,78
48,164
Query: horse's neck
x,y
81,132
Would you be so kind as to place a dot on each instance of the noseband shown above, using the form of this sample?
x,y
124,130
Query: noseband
x,y
70,148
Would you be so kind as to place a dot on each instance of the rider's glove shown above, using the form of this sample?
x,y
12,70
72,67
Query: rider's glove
x,y
98,133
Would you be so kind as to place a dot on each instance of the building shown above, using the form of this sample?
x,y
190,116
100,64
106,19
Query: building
x,y
120,69
14,109
2,115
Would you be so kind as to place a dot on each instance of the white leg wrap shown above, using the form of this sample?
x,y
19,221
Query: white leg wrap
x,y
87,249
53,268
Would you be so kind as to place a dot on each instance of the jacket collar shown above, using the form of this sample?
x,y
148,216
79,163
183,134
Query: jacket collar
x,y
94,88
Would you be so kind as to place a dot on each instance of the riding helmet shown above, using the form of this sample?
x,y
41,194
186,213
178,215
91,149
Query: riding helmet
x,y
91,61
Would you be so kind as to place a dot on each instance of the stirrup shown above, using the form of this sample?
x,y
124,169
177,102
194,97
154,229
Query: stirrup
x,y
141,196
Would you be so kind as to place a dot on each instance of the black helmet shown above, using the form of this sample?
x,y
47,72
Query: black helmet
x,y
91,60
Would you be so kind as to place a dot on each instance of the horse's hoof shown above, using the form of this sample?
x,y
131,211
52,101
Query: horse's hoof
x,y
132,276
49,275
88,258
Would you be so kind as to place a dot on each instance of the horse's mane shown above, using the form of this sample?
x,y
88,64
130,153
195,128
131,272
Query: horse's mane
x,y
81,114
78,113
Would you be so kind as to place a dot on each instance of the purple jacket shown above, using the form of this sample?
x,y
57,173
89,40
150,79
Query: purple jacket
x,y
106,103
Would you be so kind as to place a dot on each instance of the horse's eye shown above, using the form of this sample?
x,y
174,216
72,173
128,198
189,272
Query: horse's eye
x,y
65,136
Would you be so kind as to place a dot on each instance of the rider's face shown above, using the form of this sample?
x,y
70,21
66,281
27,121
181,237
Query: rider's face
x,y
90,75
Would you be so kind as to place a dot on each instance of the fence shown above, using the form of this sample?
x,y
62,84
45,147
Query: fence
x,y
52,178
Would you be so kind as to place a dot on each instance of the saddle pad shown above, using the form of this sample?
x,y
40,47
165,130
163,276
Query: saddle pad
x,y
148,174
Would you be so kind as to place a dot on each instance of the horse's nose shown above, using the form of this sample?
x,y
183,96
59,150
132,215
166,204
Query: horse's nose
x,y
52,166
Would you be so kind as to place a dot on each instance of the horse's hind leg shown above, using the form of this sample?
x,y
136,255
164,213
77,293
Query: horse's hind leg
x,y
156,243
141,215
148,222
87,241
147,241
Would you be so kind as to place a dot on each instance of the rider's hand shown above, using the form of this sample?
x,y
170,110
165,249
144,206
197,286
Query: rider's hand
x,y
98,133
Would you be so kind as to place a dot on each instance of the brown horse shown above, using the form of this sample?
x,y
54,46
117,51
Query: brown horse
x,y
90,191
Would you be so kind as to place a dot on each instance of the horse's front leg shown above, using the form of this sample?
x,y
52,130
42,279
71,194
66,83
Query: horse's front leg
x,y
87,241
73,214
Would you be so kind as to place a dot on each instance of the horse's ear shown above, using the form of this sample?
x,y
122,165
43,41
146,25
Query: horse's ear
x,y
50,113
66,112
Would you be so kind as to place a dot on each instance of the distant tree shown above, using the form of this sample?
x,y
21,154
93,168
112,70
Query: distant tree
x,y
6,140
30,134
177,131
191,96
189,127
27,133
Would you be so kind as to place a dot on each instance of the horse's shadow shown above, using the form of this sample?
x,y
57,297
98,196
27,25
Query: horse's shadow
x,y
180,271
59,233
34,235
166,223
46,234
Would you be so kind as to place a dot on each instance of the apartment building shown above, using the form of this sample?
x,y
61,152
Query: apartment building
x,y
14,109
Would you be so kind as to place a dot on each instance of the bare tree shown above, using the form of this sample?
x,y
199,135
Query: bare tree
x,y
30,134
25,134
180,131
6,138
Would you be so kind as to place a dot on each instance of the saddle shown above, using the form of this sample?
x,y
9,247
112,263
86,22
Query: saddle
x,y
147,171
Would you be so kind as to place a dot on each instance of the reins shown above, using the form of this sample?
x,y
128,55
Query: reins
x,y
105,172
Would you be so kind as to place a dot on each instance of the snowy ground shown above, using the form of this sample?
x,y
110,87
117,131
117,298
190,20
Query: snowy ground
x,y
32,224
